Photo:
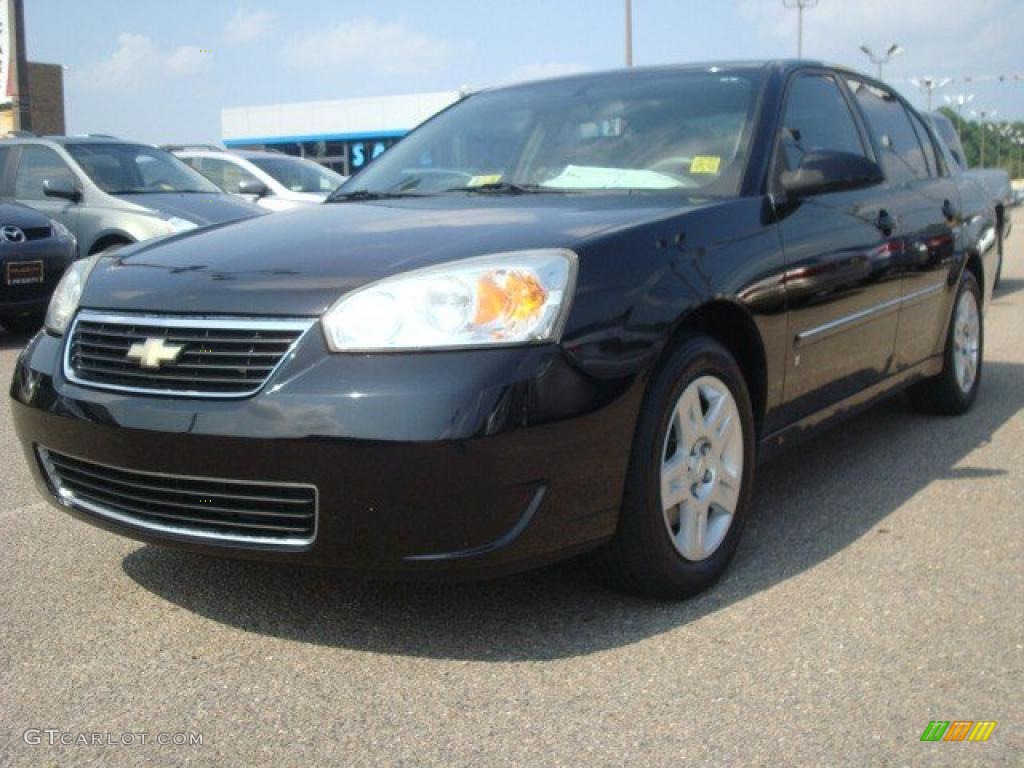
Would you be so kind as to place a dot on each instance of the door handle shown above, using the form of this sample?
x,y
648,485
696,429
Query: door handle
x,y
949,211
885,222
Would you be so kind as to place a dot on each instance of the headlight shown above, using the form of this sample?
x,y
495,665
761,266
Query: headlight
x,y
67,295
521,297
178,224
62,232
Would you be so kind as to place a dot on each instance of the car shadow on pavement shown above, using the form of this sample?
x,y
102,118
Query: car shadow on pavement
x,y
1009,285
810,503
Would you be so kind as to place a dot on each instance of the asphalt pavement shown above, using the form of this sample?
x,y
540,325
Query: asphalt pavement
x,y
879,586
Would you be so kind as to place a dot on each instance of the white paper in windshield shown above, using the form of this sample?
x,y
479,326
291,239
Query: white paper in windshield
x,y
595,177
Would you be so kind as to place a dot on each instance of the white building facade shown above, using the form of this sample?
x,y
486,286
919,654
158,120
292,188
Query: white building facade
x,y
344,135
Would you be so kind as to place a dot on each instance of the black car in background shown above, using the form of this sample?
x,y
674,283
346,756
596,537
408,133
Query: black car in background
x,y
558,317
34,252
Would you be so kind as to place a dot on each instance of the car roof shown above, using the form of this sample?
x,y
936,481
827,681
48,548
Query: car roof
x,y
783,65
95,138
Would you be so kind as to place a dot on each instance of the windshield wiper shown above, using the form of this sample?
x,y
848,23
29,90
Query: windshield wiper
x,y
366,194
503,188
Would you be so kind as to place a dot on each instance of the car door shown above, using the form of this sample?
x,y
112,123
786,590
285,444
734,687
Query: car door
x,y
841,287
927,204
37,164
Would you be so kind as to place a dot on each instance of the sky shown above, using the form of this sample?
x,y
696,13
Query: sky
x,y
160,71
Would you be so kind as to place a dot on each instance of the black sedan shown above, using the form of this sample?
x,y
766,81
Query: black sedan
x,y
558,317
34,252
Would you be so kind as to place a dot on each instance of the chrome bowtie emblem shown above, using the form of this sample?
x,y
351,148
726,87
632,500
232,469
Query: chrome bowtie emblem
x,y
152,353
11,234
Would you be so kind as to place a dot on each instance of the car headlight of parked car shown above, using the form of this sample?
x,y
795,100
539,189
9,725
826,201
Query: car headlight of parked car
x,y
67,295
521,297
178,224
63,233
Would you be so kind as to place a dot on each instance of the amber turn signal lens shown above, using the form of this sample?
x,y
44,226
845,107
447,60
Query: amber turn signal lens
x,y
513,297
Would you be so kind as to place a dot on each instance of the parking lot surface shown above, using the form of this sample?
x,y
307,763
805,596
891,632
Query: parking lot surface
x,y
879,586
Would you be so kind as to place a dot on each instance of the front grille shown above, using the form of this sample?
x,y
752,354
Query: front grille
x,y
36,233
220,357
236,511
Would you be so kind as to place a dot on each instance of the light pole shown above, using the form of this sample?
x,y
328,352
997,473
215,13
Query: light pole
x,y
929,84
894,50
629,33
981,115
799,5
958,102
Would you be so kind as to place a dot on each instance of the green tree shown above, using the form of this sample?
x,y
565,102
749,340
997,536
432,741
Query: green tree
x,y
1001,151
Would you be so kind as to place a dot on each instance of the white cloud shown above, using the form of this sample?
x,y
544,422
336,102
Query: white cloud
x,y
248,26
139,63
543,70
370,45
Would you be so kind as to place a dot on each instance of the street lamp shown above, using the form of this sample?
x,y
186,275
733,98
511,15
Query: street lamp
x,y
799,5
894,50
958,102
981,115
929,84
629,33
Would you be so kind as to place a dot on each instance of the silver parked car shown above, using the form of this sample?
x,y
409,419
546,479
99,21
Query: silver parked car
x,y
273,180
109,192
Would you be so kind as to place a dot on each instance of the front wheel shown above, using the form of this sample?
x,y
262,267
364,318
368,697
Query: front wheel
x,y
690,475
954,390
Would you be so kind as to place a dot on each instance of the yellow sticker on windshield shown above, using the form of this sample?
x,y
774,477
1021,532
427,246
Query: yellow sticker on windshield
x,y
479,181
705,164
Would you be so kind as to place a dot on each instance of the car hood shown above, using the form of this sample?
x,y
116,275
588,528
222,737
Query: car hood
x,y
21,216
202,208
297,263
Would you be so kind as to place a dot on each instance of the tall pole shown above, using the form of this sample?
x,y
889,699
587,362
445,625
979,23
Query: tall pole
x,y
800,32
629,33
799,5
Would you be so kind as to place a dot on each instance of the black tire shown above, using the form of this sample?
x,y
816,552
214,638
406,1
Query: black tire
x,y
641,556
943,394
23,324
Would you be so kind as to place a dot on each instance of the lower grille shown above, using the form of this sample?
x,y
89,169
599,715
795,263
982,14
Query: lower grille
x,y
241,512
205,357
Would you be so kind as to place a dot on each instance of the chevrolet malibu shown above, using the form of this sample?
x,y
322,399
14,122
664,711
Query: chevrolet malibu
x,y
559,317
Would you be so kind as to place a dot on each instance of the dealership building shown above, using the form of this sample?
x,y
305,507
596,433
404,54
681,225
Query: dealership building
x,y
344,135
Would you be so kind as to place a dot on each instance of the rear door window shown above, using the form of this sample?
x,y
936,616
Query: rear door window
x,y
901,154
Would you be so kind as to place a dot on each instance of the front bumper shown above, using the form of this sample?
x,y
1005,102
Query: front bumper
x,y
468,462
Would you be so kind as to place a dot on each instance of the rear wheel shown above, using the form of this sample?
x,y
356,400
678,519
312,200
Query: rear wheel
x,y
954,390
690,475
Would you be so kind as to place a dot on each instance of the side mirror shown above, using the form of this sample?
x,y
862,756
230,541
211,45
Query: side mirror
x,y
61,188
822,172
256,188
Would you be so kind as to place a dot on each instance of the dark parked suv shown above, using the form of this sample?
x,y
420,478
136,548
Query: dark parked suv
x,y
558,317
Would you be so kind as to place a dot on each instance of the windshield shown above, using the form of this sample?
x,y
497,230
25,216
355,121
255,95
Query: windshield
x,y
121,169
658,130
299,175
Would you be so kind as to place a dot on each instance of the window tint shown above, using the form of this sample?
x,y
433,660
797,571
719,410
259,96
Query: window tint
x,y
224,174
39,164
902,157
817,118
926,141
